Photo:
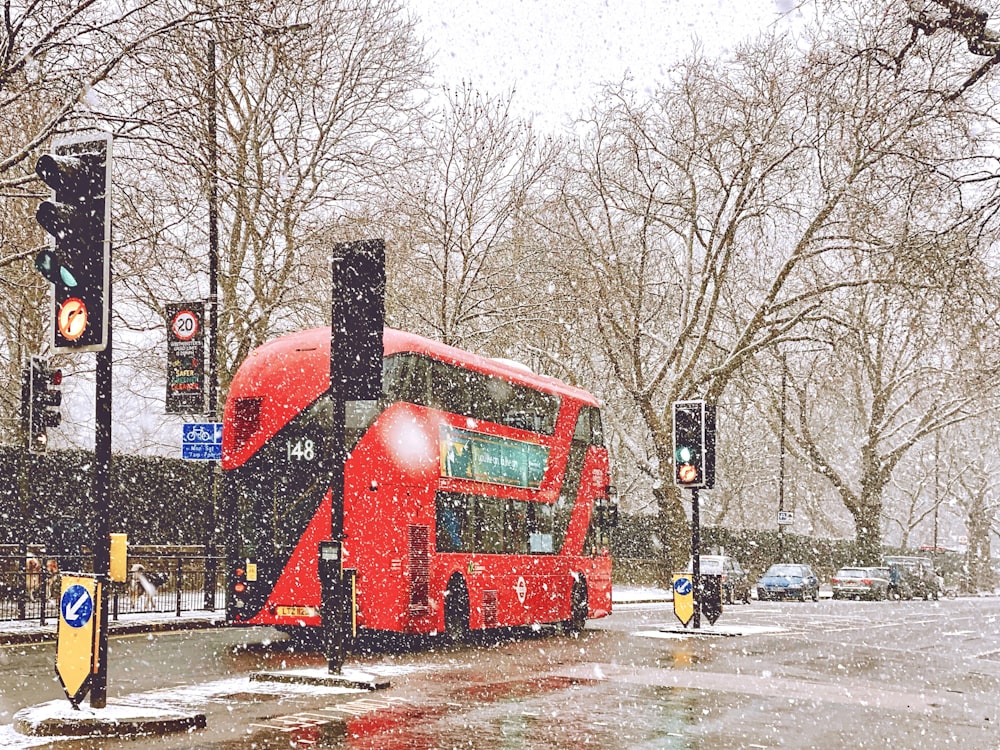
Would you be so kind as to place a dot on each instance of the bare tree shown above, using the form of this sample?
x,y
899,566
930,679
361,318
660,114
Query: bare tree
x,y
734,209
53,57
470,270
310,99
900,376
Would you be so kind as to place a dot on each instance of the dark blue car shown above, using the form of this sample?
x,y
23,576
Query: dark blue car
x,y
788,581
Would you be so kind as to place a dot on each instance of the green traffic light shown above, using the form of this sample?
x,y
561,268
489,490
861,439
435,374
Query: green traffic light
x,y
47,262
684,454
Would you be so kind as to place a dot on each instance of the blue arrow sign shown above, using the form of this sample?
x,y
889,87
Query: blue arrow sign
x,y
77,606
682,586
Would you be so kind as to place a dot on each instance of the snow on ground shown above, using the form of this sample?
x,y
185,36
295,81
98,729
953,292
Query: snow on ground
x,y
673,633
170,701
640,594
13,740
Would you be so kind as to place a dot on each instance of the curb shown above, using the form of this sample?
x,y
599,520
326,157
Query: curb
x,y
117,720
13,638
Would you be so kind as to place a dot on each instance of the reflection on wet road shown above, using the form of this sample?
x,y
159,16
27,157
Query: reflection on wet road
x,y
815,675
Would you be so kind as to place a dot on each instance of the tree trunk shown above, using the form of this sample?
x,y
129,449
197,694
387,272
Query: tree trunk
x,y
673,527
980,573
868,529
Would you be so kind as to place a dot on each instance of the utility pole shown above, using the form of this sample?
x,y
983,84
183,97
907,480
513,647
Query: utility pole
x,y
781,461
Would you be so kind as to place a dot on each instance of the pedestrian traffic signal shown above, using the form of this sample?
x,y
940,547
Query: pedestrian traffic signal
x,y
78,217
694,444
41,402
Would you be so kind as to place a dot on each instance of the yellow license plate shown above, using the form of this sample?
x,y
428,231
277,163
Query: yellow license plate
x,y
296,612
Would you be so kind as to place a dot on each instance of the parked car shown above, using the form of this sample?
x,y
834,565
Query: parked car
x,y
917,575
788,581
735,583
861,583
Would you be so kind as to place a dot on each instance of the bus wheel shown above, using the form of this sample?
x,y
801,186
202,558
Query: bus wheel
x,y
578,609
456,610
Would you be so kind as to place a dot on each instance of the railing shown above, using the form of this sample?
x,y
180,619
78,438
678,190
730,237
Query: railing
x,y
156,583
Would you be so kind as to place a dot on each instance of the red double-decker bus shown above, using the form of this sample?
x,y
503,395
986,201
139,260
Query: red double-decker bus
x,y
476,493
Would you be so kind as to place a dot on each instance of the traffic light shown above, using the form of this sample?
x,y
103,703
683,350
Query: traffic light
x,y
42,402
694,444
358,317
78,217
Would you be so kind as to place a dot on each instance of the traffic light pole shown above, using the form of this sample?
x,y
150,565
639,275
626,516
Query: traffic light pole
x,y
78,265
356,321
331,556
102,512
696,557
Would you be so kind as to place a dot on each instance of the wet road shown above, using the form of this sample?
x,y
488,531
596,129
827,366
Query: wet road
x,y
802,675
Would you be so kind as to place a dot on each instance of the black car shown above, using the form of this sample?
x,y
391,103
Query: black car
x,y
913,577
735,583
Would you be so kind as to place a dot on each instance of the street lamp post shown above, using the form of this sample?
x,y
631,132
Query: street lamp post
x,y
213,285
213,315
781,462
213,237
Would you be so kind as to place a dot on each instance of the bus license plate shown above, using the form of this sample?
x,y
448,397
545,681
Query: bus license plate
x,y
296,612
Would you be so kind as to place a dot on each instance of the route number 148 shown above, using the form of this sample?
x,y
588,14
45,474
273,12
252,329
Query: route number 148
x,y
302,449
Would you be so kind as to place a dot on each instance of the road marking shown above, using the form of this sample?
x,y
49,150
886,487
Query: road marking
x,y
306,719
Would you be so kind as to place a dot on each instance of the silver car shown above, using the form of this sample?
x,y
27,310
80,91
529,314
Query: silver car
x,y
860,583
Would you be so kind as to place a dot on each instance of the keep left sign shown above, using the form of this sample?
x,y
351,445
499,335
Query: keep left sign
x,y
75,648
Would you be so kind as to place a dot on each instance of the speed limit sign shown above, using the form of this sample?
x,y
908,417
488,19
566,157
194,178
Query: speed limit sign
x,y
185,325
185,358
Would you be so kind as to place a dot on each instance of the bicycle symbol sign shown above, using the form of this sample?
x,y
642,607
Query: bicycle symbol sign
x,y
199,433
202,441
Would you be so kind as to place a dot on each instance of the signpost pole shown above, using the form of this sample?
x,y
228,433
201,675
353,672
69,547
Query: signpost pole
x,y
696,557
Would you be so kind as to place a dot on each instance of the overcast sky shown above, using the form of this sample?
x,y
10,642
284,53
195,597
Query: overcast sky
x,y
554,52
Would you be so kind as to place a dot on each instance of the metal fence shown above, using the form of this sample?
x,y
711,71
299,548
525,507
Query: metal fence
x,y
30,585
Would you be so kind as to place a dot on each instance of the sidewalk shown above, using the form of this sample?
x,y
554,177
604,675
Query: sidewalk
x,y
640,595
29,631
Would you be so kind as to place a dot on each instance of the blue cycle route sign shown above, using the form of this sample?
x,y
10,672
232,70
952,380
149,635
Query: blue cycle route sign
x,y
77,606
202,441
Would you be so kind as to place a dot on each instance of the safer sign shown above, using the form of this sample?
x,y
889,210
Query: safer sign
x,y
683,597
79,611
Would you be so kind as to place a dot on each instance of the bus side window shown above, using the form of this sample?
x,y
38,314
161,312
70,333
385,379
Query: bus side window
x,y
411,382
530,410
589,430
596,428
489,520
561,513
452,523
490,398
539,528
516,527
450,389
582,432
